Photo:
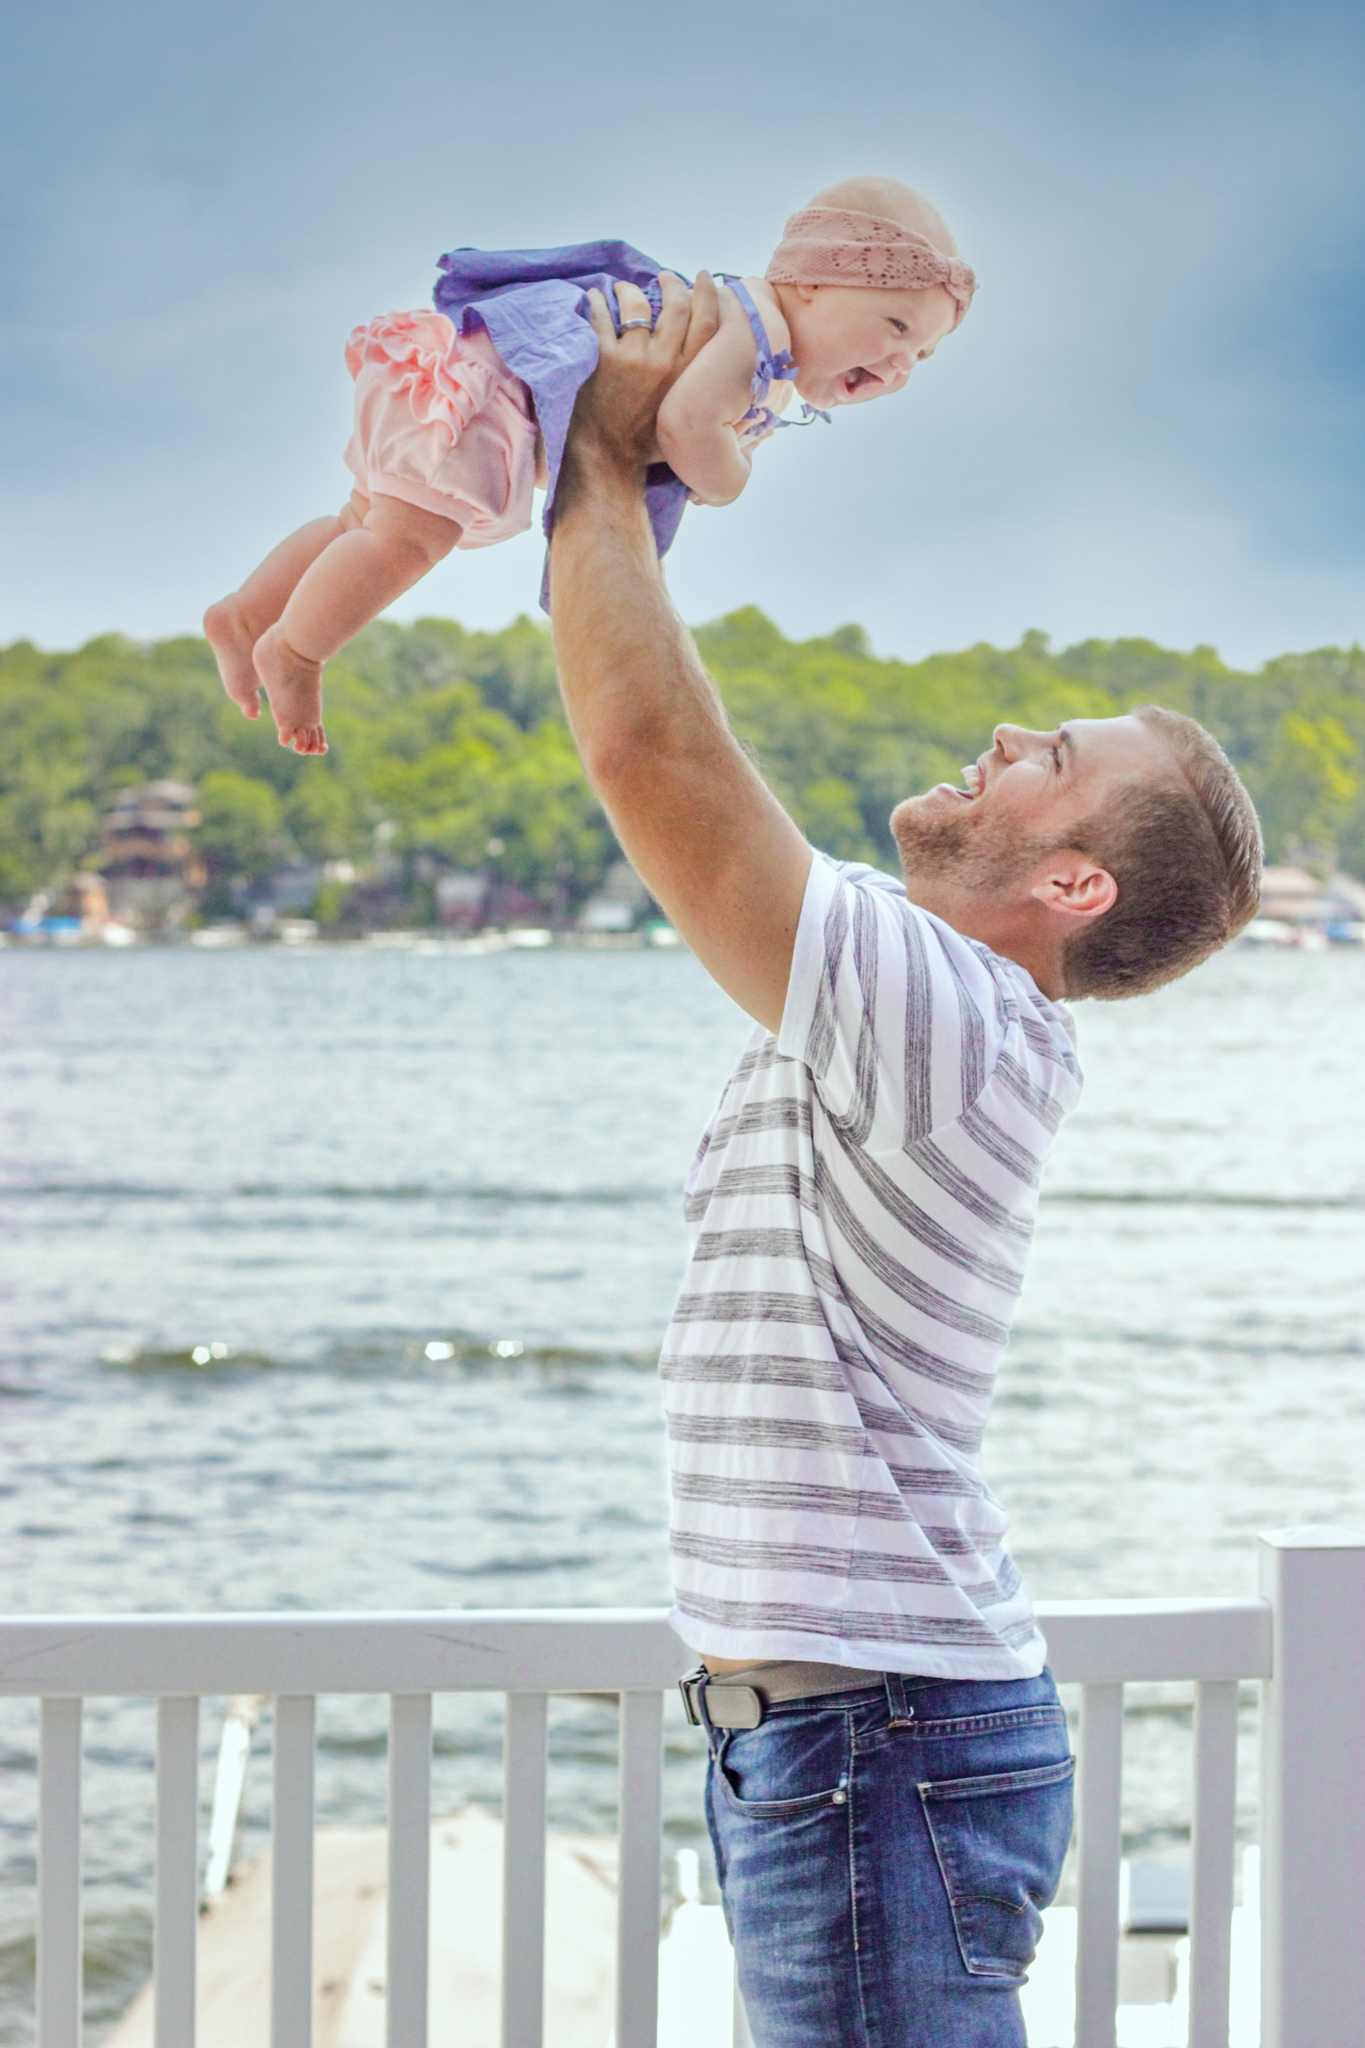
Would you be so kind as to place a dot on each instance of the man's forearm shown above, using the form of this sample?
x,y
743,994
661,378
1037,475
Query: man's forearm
x,y
628,669
690,809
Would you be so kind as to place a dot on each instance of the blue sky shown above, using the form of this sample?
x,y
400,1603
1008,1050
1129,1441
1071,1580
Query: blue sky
x,y
1152,422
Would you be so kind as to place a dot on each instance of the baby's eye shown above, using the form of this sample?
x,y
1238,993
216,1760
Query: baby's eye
x,y
899,325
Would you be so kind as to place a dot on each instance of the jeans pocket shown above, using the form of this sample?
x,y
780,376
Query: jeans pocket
x,y
1000,1843
792,1765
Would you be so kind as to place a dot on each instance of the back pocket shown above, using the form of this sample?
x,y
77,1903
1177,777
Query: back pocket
x,y
1000,1843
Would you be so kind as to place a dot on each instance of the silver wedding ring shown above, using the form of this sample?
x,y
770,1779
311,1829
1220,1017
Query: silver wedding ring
x,y
635,323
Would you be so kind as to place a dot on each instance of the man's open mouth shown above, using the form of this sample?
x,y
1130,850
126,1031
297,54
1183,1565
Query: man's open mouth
x,y
973,778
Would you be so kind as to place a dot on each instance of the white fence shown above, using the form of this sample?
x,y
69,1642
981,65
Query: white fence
x,y
1304,1640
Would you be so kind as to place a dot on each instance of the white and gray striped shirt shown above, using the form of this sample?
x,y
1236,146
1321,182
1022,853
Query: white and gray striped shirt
x,y
863,1201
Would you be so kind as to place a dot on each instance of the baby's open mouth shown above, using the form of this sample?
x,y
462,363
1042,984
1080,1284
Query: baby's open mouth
x,y
854,378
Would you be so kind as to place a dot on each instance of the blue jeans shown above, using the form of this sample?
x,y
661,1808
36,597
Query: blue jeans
x,y
884,1856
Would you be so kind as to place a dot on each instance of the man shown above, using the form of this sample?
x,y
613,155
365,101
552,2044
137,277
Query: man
x,y
889,1788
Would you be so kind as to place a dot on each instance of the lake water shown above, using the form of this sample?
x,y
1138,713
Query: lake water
x,y
417,1214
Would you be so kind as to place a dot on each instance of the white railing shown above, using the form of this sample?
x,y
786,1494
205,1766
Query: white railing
x,y
1304,1640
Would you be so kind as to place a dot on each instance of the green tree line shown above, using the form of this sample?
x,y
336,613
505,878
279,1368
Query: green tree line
x,y
449,747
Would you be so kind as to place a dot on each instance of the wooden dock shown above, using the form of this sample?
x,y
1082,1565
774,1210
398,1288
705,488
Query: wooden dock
x,y
466,1943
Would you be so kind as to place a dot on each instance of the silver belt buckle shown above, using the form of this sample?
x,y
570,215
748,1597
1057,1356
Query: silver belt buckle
x,y
685,1687
727,1706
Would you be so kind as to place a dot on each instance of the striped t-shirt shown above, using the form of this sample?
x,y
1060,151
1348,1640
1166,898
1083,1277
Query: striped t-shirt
x,y
863,1201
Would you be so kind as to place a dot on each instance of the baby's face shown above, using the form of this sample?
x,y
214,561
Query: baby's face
x,y
855,342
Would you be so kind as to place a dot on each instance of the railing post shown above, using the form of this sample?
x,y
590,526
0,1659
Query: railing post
x,y
291,1873
1312,1768
638,1900
408,1971
1099,1830
176,1912
1213,1861
523,1870
59,1874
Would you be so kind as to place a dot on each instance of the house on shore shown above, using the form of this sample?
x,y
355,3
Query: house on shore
x,y
1296,904
151,870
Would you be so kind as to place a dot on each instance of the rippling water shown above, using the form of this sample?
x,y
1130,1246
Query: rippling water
x,y
334,1279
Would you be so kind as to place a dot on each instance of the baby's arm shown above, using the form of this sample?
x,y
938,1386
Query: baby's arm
x,y
697,419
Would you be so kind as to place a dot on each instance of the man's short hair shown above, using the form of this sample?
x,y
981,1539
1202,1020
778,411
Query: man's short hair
x,y
1186,855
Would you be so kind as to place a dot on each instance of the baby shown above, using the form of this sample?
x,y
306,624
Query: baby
x,y
461,413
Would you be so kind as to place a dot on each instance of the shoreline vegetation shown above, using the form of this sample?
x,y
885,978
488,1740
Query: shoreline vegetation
x,y
452,798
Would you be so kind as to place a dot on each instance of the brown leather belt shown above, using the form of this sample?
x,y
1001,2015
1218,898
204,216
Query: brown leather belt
x,y
741,1699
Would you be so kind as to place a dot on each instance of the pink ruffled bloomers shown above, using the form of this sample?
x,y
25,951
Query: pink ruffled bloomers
x,y
441,422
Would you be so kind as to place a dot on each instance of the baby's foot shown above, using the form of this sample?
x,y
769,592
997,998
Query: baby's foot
x,y
230,638
294,687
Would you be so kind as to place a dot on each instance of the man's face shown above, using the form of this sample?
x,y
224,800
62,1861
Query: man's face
x,y
1022,799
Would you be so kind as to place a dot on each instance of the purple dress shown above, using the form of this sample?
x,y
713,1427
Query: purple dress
x,y
534,304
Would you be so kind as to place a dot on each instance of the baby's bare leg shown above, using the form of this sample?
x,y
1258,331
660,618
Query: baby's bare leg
x,y
349,583
234,625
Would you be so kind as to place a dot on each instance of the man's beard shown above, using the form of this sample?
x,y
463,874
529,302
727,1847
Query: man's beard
x,y
970,849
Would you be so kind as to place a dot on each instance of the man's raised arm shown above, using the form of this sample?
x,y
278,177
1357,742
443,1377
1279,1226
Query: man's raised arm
x,y
708,837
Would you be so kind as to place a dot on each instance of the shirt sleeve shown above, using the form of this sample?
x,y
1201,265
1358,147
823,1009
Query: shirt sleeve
x,y
895,1014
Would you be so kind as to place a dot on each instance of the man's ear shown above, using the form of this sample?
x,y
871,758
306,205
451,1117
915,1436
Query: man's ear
x,y
1077,887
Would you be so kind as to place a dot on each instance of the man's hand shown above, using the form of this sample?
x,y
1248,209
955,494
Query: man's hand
x,y
618,406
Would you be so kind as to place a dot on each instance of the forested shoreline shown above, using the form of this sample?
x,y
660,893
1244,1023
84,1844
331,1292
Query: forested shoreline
x,y
449,748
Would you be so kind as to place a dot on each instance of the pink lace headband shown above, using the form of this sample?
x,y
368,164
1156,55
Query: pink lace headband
x,y
834,245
